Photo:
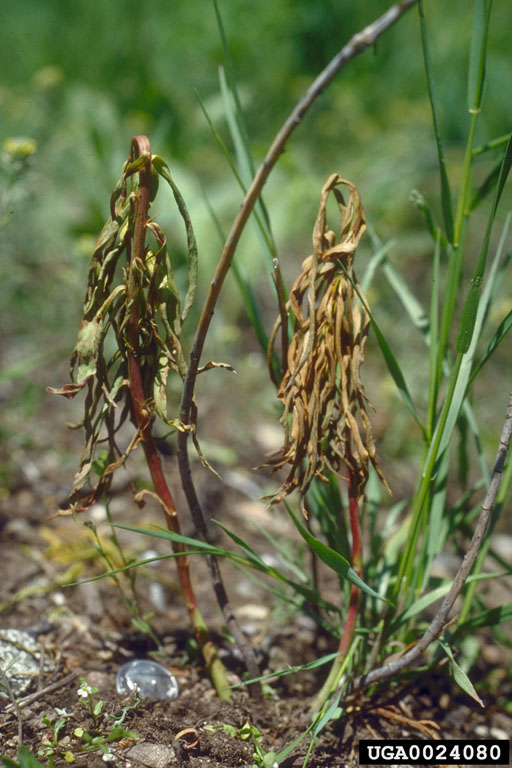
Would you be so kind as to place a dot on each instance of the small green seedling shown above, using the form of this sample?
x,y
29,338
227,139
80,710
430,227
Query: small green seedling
x,y
98,741
248,731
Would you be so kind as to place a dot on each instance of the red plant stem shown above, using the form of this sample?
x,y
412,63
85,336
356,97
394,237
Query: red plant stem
x,y
143,418
140,146
349,626
357,558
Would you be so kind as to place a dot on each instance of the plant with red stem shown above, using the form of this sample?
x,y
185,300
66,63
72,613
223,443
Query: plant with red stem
x,y
143,314
326,424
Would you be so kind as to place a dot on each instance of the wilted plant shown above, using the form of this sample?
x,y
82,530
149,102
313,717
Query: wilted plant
x,y
325,415
128,343
325,418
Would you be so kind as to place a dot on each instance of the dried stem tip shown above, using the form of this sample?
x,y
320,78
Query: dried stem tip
x,y
325,418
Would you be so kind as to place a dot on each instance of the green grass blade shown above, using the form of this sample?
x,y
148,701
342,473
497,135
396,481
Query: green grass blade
x,y
476,79
241,129
289,561
434,378
391,362
240,542
446,197
438,593
478,53
396,373
493,144
459,675
163,170
236,127
251,305
254,561
469,312
409,301
239,134
246,166
333,559
289,670
486,187
500,333
487,618
249,558
379,256
472,319
218,138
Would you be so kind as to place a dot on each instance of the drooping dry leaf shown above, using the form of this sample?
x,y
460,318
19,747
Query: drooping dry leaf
x,y
101,368
325,415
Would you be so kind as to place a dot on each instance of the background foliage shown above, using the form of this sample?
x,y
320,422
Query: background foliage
x,y
81,78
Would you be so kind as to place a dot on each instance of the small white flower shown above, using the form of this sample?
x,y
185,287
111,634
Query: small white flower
x,y
108,757
84,691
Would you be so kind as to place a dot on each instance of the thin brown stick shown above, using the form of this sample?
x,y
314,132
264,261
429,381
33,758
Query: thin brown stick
x,y
39,694
438,623
140,146
358,43
196,512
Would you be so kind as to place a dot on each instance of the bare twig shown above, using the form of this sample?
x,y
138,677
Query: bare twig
x,y
438,623
356,45
196,512
39,694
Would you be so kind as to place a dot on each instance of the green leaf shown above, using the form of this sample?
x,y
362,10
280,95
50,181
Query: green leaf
x,y
486,186
248,295
488,618
163,170
436,594
26,759
469,312
335,561
87,345
8,763
290,670
396,373
459,675
498,336
446,199
478,53
238,129
100,464
491,145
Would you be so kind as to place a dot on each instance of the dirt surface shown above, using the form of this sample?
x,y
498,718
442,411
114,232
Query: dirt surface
x,y
86,632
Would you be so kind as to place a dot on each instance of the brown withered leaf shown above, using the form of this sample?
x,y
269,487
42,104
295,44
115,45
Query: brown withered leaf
x,y
325,417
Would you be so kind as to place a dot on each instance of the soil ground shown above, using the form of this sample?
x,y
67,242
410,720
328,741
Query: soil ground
x,y
86,631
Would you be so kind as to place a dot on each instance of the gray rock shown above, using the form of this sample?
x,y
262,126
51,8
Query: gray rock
x,y
151,755
19,661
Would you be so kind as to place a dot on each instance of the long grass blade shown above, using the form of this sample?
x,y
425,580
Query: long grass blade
x,y
488,618
333,559
491,145
446,197
240,136
251,305
459,675
500,333
438,593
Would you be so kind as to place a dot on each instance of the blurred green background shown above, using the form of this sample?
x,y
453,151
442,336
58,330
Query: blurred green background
x,y
80,78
